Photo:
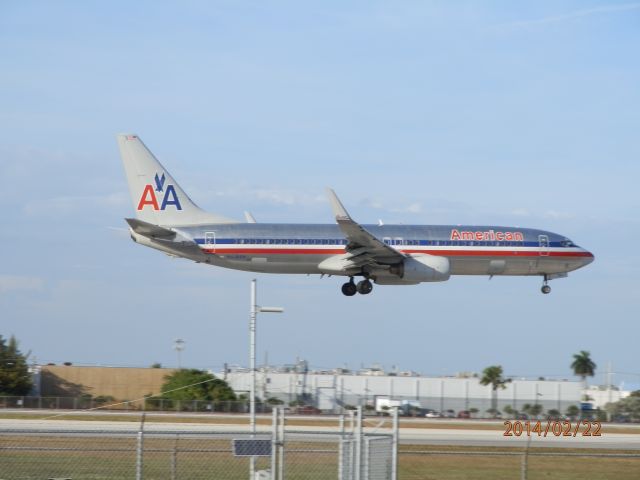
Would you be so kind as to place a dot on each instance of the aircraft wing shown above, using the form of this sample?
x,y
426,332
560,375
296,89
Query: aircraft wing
x,y
365,248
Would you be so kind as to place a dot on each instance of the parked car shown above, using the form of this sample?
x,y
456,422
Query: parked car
x,y
449,414
308,410
432,414
464,414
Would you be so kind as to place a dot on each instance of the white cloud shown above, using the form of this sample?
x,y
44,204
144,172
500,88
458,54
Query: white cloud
x,y
287,197
12,283
576,14
415,207
556,215
73,204
521,212
248,194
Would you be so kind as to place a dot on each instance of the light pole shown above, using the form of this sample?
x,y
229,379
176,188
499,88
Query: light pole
x,y
178,346
255,309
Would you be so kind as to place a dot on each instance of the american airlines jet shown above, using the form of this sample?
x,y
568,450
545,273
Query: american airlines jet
x,y
167,220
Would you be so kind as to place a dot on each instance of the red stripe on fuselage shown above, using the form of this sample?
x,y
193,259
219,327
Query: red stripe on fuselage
x,y
444,253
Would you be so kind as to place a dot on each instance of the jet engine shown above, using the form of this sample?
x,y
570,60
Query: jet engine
x,y
423,268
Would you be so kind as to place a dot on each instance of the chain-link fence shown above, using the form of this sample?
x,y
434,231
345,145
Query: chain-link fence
x,y
43,454
548,464
89,450
155,451
444,406
180,455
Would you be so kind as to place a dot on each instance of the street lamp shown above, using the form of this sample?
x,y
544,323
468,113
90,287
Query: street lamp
x,y
178,346
255,309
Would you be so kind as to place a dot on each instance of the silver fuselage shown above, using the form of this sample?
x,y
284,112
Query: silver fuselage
x,y
300,248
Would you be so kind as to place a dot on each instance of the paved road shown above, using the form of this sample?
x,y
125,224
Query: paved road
x,y
430,436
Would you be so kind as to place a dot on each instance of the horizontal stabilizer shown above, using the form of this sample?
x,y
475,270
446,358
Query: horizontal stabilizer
x,y
149,229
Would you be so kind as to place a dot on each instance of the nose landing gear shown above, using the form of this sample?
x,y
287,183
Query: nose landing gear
x,y
363,287
545,286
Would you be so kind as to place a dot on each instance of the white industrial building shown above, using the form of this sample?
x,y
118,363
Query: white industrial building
x,y
333,391
600,396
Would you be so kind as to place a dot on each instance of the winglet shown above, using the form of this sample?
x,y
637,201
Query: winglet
x,y
360,241
336,205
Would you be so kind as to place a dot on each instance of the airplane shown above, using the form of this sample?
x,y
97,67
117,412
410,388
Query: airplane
x,y
169,221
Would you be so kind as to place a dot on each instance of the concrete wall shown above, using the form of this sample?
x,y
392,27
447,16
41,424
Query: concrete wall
x,y
118,382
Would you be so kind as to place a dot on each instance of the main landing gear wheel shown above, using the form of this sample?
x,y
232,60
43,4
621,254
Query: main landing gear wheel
x,y
364,287
349,289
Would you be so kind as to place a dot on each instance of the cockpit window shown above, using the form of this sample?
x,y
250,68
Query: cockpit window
x,y
567,243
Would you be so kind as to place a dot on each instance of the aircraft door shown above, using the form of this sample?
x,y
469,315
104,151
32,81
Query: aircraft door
x,y
543,241
210,241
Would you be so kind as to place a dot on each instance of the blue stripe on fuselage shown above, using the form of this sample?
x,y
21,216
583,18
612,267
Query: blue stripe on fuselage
x,y
406,243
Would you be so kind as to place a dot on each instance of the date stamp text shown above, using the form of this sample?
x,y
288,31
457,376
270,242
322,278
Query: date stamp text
x,y
555,428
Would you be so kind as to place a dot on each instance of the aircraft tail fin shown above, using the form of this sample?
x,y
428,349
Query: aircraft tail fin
x,y
157,197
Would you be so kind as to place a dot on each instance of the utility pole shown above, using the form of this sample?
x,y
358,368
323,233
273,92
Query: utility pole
x,y
253,313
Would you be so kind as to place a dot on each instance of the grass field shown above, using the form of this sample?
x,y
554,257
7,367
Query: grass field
x,y
31,457
95,457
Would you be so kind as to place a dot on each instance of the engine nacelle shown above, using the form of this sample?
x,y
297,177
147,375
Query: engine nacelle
x,y
423,268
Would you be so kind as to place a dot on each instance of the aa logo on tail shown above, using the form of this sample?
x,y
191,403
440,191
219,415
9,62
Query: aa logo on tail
x,y
168,194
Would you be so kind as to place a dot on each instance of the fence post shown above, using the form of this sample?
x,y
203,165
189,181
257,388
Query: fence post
x,y
274,442
352,430
366,458
394,447
174,459
341,449
139,449
282,445
358,465
523,464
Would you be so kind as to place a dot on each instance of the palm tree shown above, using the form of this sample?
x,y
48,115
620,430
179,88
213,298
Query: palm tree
x,y
493,376
583,366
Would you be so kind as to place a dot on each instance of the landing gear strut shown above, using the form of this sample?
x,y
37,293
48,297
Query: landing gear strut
x,y
349,289
545,286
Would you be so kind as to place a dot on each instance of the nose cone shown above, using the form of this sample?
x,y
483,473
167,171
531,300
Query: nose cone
x,y
587,257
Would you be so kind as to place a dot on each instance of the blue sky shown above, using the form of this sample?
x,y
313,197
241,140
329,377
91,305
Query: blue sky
x,y
414,112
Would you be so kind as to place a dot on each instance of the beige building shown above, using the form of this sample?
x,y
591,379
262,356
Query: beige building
x,y
121,383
